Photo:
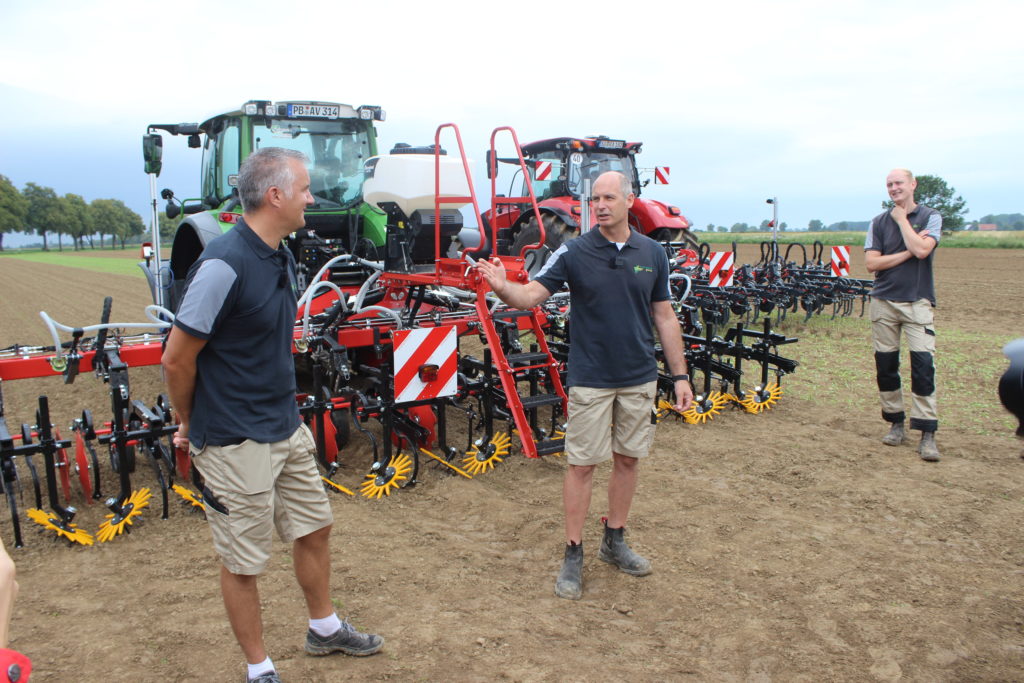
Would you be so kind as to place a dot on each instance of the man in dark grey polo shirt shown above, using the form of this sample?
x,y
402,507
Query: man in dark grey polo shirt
x,y
618,286
899,250
231,379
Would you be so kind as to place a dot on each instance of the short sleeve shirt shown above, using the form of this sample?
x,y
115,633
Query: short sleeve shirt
x,y
610,296
241,298
911,280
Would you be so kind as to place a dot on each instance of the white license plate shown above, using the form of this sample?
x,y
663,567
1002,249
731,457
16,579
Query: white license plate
x,y
316,111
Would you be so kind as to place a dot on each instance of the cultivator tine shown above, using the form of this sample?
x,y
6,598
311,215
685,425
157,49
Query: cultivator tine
x,y
444,462
60,522
128,504
761,398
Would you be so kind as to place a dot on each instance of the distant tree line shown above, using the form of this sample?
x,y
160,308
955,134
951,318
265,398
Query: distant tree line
x,y
40,210
932,191
1004,221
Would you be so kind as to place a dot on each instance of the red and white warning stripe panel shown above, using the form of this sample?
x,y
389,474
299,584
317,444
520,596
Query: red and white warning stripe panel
x,y
661,175
840,261
426,363
542,171
720,268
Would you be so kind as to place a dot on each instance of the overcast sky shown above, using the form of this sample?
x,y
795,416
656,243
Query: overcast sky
x,y
811,102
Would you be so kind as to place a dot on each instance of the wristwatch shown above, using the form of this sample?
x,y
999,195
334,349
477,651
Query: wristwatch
x,y
683,377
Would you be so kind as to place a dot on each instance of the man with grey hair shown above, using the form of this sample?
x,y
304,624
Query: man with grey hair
x,y
612,369
899,250
231,378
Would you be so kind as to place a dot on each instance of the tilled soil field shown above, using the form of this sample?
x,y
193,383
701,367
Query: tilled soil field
x,y
790,545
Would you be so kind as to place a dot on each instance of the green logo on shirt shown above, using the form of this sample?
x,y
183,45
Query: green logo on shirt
x,y
642,269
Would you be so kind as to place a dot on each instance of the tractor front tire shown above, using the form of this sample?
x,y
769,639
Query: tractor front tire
x,y
556,233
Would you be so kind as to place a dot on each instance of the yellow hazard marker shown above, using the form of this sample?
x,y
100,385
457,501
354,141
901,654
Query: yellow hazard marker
x,y
758,400
118,523
66,530
383,481
336,486
477,461
704,409
444,462
189,496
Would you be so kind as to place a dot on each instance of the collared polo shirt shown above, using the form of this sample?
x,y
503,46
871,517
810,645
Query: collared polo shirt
x,y
911,280
610,297
241,298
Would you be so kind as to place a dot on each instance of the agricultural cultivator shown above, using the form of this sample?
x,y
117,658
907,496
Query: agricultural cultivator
x,y
377,354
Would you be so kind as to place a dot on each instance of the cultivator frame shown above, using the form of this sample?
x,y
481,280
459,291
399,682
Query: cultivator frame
x,y
513,396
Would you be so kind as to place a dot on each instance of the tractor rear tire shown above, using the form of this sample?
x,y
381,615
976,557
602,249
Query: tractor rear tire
x,y
674,236
556,233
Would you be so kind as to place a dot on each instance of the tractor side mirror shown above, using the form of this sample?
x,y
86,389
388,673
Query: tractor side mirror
x,y
153,153
490,169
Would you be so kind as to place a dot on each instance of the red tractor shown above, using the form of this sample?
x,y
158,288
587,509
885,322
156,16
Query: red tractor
x,y
562,170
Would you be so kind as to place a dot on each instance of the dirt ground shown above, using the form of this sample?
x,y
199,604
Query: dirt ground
x,y
787,546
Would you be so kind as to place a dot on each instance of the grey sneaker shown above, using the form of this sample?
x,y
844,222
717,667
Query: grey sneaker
x,y
896,436
266,677
569,584
927,448
346,639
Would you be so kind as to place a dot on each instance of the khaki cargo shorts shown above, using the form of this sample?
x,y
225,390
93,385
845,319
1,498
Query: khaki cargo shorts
x,y
602,421
256,488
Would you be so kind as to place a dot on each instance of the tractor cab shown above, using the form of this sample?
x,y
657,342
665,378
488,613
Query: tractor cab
x,y
561,173
562,165
337,138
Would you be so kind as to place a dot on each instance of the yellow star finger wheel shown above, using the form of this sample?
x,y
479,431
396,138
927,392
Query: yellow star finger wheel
x,y
190,497
119,522
760,399
477,460
381,481
63,529
704,409
664,410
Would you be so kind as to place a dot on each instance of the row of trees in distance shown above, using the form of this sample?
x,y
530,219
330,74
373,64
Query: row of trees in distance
x,y
931,191
40,210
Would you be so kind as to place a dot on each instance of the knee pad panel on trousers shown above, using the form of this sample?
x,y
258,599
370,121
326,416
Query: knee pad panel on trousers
x,y
922,373
887,368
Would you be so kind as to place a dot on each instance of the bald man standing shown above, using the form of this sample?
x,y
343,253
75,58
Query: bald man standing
x,y
612,370
899,250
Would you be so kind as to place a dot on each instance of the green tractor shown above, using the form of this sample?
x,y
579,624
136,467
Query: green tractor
x,y
337,138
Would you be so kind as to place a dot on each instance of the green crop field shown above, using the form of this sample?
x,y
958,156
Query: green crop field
x,y
114,261
979,240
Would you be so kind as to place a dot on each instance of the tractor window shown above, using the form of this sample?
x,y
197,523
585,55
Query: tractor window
x,y
220,161
336,150
596,163
546,169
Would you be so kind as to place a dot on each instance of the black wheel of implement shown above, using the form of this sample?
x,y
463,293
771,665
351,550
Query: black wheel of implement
x,y
556,232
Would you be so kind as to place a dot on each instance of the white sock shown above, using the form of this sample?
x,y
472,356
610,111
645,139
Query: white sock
x,y
261,668
327,626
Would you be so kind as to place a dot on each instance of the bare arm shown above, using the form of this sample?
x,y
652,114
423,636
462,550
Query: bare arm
x,y
179,363
918,245
874,261
667,324
514,294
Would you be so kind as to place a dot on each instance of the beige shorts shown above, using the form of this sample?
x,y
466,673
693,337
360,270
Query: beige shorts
x,y
603,421
256,488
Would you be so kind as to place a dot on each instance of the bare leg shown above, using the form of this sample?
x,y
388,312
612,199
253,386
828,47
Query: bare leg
x,y
242,601
576,491
8,591
621,486
313,571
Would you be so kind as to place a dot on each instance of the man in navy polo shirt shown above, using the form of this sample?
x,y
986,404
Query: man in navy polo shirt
x,y
899,250
231,379
618,286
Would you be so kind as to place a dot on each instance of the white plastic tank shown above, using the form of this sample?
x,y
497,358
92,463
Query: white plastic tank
x,y
408,181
